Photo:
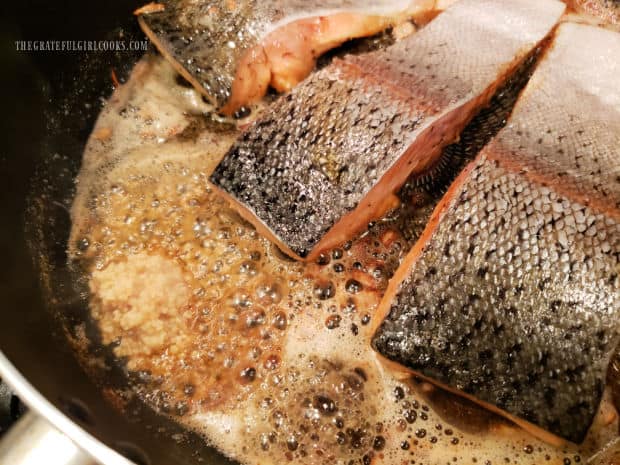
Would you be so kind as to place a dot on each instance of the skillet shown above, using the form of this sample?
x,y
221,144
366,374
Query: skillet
x,y
52,100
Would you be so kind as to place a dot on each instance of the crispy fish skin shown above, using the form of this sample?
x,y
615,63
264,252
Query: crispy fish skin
x,y
581,151
507,306
326,159
232,50
512,295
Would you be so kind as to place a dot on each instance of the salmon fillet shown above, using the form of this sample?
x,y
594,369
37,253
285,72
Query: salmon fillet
x,y
326,159
233,50
512,294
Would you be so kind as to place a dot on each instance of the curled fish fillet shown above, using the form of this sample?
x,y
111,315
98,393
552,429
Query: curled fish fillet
x,y
233,50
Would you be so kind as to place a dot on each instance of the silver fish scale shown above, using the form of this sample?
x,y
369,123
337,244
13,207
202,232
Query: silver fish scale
x,y
209,37
306,154
515,300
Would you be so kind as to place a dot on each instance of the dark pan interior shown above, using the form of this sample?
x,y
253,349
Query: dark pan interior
x,y
51,101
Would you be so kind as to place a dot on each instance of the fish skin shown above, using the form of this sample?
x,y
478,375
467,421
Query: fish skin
x,y
512,295
592,173
209,38
315,155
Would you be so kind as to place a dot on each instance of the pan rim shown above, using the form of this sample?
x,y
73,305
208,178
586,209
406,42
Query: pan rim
x,y
45,409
